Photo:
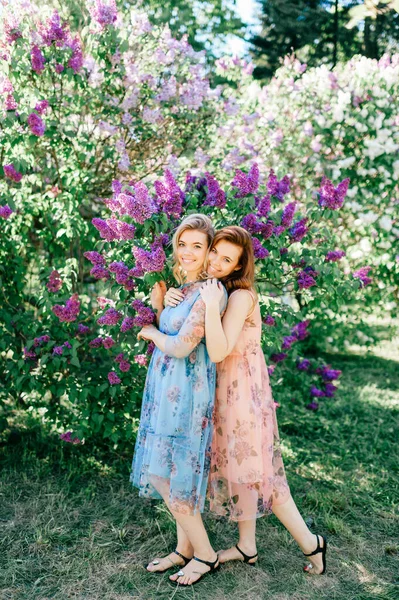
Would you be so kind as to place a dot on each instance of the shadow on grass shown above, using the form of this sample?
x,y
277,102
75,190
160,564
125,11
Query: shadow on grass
x,y
72,527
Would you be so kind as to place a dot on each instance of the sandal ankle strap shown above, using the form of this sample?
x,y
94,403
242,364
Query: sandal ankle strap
x,y
245,556
209,564
186,560
318,547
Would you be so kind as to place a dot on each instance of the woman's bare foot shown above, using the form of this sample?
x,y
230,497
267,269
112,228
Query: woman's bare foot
x,y
159,565
316,565
234,554
193,571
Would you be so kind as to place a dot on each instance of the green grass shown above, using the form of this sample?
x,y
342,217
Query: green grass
x,y
71,527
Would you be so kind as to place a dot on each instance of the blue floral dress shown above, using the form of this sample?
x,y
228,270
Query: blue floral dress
x,y
175,433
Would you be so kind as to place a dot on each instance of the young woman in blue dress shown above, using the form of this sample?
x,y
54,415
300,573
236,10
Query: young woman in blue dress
x,y
172,454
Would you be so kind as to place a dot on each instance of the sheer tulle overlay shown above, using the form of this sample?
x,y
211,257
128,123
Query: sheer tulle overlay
x,y
172,453
247,472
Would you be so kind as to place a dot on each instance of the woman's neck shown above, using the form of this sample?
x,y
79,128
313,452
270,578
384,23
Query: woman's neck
x,y
191,277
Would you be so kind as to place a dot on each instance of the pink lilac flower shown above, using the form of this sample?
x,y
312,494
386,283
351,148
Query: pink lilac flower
x,y
141,359
95,258
362,275
170,197
11,29
314,391
12,173
246,184
83,329
334,255
103,302
305,281
259,250
269,320
41,106
70,311
43,339
312,405
67,437
215,196
271,369
99,272
278,357
37,59
54,283
113,378
96,342
111,317
5,211
10,103
303,365
263,206
277,188
331,197
108,342
104,13
288,214
124,366
36,124
145,315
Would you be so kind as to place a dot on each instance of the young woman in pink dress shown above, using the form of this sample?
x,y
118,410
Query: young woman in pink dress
x,y
247,477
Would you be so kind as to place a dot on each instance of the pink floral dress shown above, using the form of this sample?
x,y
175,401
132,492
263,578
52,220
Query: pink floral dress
x,y
247,472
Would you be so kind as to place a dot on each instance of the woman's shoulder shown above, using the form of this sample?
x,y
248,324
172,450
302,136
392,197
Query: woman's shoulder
x,y
244,297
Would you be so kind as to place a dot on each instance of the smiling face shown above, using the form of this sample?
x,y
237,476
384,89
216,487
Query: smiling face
x,y
224,258
191,252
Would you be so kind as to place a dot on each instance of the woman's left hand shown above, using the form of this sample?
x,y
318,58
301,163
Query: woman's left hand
x,y
212,292
147,333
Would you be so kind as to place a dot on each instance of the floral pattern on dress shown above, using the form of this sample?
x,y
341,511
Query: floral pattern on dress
x,y
247,472
173,446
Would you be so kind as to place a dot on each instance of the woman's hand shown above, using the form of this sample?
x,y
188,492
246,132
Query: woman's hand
x,y
147,333
157,295
212,292
173,297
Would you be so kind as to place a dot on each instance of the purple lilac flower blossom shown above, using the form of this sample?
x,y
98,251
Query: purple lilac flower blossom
x,y
83,329
278,357
127,324
312,405
110,317
276,188
113,378
58,350
264,206
170,197
215,196
99,272
41,106
96,342
298,230
95,258
124,366
288,214
283,251
70,311
330,390
105,231
314,391
303,365
55,282
67,437
145,315
305,281
331,197
37,60
300,330
246,184
36,124
259,250
288,340
152,261
362,275
269,320
108,342
334,255
5,211
12,173
43,339
29,354
104,13
150,348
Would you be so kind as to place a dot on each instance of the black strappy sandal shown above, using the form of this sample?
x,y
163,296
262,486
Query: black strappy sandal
x,y
213,567
247,558
317,551
156,562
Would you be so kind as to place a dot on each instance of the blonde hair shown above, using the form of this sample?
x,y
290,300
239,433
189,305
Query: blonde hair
x,y
194,222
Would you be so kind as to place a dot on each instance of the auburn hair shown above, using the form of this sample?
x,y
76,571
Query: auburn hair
x,y
195,222
244,277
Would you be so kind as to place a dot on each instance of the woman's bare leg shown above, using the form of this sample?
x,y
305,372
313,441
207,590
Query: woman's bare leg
x,y
289,515
246,543
183,546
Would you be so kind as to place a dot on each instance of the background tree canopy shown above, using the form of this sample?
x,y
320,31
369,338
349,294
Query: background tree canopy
x,y
323,31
